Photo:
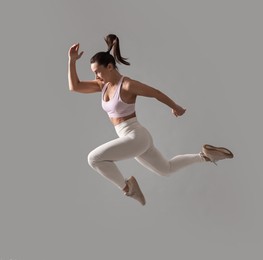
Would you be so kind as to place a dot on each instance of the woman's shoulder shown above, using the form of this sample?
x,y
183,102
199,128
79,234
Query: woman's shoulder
x,y
128,82
126,79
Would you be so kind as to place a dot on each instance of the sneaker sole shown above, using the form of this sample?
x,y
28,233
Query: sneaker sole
x,y
227,153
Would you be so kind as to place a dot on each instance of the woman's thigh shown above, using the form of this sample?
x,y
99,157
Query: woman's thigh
x,y
129,146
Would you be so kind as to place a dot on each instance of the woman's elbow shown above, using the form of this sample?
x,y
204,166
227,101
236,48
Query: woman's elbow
x,y
71,89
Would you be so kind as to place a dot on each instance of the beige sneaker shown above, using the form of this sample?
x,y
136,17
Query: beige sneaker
x,y
134,190
214,154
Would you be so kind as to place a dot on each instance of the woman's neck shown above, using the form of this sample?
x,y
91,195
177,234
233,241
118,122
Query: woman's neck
x,y
115,78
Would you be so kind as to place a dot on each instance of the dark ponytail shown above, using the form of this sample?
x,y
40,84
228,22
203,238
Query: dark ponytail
x,y
113,43
105,58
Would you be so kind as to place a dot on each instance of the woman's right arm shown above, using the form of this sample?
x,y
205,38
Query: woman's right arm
x,y
74,83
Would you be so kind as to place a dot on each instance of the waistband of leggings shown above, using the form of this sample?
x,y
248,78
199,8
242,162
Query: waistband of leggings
x,y
126,123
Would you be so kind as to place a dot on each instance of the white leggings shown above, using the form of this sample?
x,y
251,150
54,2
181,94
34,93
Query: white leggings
x,y
135,142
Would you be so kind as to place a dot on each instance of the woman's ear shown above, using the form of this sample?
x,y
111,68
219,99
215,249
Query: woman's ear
x,y
110,66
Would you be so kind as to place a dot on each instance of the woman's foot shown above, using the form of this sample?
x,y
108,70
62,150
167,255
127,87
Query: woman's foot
x,y
133,190
214,154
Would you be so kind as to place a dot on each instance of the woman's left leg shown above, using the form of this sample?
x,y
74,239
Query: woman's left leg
x,y
153,160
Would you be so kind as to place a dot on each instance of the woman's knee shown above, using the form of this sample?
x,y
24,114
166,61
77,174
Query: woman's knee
x,y
163,172
93,159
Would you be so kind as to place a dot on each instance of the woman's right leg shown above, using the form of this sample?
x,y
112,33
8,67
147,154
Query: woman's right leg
x,y
103,158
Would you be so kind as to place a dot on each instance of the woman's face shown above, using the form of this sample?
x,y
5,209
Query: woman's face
x,y
101,73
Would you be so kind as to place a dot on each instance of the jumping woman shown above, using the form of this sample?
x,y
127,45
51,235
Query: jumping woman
x,y
118,97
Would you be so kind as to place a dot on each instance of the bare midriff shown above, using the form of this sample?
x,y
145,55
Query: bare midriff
x,y
118,120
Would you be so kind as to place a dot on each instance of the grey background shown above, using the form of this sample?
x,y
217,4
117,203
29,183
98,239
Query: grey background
x,y
206,55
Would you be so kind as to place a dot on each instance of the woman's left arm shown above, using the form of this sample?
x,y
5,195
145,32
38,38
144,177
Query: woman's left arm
x,y
139,89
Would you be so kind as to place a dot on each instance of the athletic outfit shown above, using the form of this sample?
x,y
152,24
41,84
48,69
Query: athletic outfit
x,y
115,107
134,142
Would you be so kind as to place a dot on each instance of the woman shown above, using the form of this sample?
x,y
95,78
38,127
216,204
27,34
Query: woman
x,y
118,99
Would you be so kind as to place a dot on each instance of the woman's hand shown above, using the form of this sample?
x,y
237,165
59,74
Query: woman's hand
x,y
73,52
179,111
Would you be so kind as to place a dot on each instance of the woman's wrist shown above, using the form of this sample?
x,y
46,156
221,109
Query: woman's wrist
x,y
72,60
176,107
